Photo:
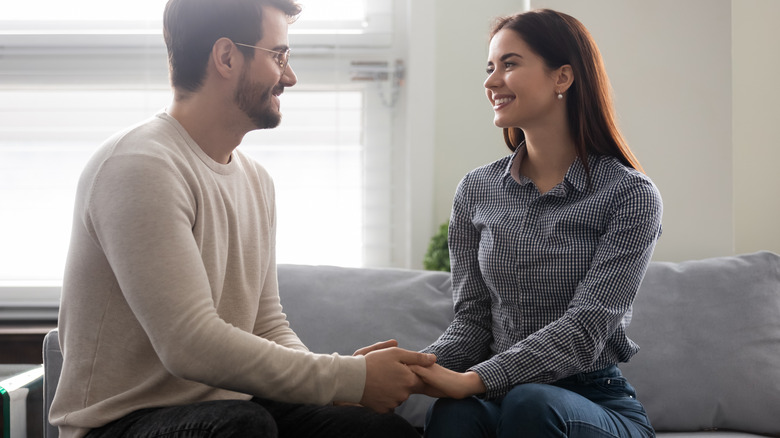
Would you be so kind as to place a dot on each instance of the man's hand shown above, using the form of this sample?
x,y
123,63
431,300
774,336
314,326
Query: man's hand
x,y
389,380
441,382
378,346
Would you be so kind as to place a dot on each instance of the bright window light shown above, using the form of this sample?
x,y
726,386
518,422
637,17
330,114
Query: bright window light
x,y
84,10
63,91
99,10
342,18
42,154
333,10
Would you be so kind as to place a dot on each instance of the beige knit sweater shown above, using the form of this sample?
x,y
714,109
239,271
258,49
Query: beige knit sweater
x,y
170,293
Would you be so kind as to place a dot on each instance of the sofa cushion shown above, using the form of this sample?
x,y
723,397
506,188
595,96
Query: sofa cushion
x,y
709,332
334,309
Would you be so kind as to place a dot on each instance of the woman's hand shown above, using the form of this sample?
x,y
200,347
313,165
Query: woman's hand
x,y
442,382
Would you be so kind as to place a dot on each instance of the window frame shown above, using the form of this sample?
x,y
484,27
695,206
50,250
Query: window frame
x,y
376,30
378,39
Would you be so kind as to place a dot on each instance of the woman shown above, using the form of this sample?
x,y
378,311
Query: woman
x,y
548,247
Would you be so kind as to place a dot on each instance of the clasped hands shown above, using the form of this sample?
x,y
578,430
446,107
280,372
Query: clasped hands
x,y
392,374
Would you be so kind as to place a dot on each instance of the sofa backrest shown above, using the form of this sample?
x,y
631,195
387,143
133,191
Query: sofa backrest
x,y
709,333
335,309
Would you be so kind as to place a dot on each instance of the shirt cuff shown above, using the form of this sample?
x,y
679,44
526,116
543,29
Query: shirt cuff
x,y
493,376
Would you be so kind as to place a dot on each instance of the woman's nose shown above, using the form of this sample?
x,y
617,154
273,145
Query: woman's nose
x,y
492,80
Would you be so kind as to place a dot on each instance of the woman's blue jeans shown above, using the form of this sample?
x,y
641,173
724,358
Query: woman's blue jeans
x,y
597,404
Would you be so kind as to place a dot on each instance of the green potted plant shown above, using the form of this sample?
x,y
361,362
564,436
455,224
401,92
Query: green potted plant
x,y
437,258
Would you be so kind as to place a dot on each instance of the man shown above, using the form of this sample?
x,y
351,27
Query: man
x,y
170,319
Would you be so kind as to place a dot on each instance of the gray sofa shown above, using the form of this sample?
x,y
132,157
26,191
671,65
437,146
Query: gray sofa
x,y
709,332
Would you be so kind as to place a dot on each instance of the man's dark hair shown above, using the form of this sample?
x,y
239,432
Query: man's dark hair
x,y
191,27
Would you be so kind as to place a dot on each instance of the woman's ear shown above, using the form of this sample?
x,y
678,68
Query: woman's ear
x,y
564,78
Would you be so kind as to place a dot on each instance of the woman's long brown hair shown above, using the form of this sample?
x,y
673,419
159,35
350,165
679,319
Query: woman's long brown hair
x,y
561,39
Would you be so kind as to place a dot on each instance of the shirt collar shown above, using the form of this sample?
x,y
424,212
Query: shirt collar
x,y
508,170
576,177
517,155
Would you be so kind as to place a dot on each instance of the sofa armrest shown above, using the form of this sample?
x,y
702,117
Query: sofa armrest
x,y
52,364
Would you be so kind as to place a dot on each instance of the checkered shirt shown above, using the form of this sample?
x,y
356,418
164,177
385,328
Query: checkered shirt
x,y
543,284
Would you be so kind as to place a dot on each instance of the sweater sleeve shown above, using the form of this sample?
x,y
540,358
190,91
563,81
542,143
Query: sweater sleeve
x,y
141,213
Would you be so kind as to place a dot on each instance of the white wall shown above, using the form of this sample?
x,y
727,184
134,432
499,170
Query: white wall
x,y
465,134
670,63
670,66
756,57
450,129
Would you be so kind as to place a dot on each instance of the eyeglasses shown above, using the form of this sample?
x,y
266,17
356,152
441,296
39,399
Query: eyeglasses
x,y
281,58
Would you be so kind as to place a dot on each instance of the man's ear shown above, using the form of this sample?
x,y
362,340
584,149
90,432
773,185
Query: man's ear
x,y
564,78
226,58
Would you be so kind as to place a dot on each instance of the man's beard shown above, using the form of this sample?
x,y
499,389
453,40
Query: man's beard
x,y
256,103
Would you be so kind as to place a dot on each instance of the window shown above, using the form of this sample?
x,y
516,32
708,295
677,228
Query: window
x,y
68,80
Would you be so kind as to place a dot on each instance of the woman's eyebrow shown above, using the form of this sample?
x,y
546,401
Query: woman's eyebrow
x,y
506,56
509,55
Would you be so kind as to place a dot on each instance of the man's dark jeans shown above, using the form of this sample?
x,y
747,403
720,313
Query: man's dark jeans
x,y
256,418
